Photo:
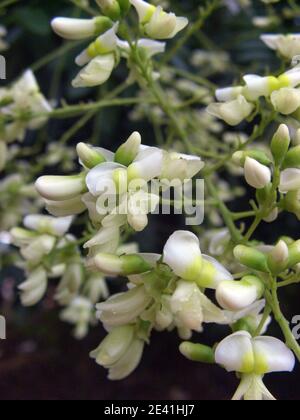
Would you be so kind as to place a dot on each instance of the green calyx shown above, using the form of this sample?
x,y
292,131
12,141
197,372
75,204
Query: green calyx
x,y
134,264
292,159
197,352
240,157
103,24
251,258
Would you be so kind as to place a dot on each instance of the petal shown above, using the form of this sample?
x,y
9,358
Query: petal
x,y
289,180
272,355
235,353
183,255
100,178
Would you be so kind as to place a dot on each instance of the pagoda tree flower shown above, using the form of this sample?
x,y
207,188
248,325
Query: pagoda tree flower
x,y
253,358
71,282
120,352
237,103
157,23
43,235
80,313
257,175
288,46
78,29
232,112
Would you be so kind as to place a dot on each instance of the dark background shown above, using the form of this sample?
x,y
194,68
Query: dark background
x,y
40,359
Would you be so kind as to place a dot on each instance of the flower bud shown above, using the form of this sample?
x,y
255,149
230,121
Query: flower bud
x,y
125,265
272,216
292,159
60,188
294,254
89,156
238,295
197,352
110,8
257,175
286,100
3,155
291,203
77,29
239,158
126,153
251,258
278,258
22,237
280,144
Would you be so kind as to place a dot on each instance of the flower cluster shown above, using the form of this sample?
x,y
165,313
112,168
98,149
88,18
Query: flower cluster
x,y
237,103
102,56
166,292
22,107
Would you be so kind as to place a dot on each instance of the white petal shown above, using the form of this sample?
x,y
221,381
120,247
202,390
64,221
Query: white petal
x,y
183,255
272,355
100,178
289,180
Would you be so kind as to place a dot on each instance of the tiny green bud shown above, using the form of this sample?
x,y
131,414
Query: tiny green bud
x,y
280,144
239,158
125,265
89,156
278,258
197,352
110,8
294,254
251,257
292,159
126,153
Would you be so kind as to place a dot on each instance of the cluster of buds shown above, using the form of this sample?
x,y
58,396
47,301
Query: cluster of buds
x,y
237,103
101,56
166,292
114,187
22,107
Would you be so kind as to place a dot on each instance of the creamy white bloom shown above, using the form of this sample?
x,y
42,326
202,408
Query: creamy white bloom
x,y
289,180
156,22
147,165
286,100
287,45
74,29
70,284
182,254
60,188
34,288
184,166
47,224
120,352
97,72
253,358
80,313
233,112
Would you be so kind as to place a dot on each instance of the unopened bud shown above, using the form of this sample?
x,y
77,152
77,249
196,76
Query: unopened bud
x,y
280,144
257,175
239,158
197,352
125,265
89,156
251,258
238,295
294,254
77,29
126,153
279,257
110,8
60,188
292,159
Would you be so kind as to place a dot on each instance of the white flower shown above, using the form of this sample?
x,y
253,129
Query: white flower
x,y
257,175
34,288
60,188
183,255
97,72
184,166
120,352
70,283
233,112
287,45
96,288
37,248
47,224
123,308
80,313
286,100
289,180
148,46
75,29
156,22
147,165
66,208
253,358
237,295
